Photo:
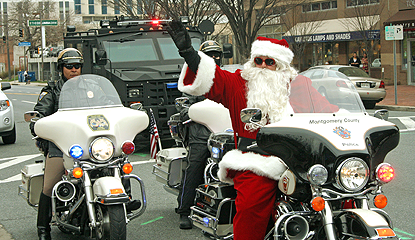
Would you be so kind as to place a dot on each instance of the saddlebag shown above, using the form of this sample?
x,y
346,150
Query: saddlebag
x,y
170,165
214,209
32,183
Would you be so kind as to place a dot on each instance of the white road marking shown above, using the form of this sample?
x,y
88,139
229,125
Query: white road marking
x,y
17,160
28,102
143,162
17,177
408,122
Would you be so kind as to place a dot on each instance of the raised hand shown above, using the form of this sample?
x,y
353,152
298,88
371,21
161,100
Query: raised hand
x,y
179,35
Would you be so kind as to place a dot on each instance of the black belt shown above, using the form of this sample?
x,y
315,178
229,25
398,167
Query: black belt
x,y
249,145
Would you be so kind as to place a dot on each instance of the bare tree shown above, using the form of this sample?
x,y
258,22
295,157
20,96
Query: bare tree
x,y
247,17
197,10
300,26
363,16
23,11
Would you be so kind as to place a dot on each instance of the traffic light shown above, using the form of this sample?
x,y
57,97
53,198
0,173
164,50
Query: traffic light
x,y
21,32
4,39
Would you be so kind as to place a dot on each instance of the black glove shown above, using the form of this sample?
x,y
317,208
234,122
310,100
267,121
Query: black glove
x,y
180,36
43,145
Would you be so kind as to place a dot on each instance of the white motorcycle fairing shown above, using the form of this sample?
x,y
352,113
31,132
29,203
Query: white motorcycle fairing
x,y
124,123
211,114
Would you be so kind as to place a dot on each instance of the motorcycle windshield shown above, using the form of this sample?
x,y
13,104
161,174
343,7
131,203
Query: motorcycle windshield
x,y
324,91
88,91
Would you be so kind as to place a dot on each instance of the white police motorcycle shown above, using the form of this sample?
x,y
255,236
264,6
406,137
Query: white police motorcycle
x,y
95,132
334,153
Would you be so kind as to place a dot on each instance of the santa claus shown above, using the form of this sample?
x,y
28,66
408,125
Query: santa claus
x,y
263,83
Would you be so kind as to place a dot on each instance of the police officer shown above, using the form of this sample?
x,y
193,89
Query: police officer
x,y
213,50
69,65
196,136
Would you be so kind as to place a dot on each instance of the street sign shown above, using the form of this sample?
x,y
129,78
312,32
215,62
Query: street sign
x,y
394,32
24,44
44,23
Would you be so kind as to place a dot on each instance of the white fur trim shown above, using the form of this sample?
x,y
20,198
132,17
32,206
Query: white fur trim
x,y
273,50
271,167
204,77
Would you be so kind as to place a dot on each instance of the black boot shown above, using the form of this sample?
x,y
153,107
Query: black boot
x,y
44,215
185,222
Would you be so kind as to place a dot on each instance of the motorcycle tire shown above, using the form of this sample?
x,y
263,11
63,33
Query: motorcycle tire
x,y
113,224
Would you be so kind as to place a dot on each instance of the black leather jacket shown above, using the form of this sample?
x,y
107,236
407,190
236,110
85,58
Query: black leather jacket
x,y
47,104
193,132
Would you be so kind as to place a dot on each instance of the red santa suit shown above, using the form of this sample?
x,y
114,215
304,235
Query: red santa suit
x,y
253,175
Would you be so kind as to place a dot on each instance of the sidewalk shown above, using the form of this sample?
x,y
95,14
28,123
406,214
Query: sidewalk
x,y
405,97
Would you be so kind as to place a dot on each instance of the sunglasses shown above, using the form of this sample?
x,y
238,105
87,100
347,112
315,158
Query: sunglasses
x,y
70,66
268,61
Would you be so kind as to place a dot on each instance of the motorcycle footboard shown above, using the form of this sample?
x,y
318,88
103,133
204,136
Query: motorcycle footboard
x,y
219,225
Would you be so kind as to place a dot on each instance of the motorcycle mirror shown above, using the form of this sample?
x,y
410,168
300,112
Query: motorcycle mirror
x,y
137,106
31,116
227,50
182,102
251,115
382,114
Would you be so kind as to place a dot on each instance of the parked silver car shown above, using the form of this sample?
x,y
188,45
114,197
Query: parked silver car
x,y
371,90
335,86
7,126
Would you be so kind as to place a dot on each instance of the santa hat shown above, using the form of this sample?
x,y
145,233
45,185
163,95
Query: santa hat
x,y
274,48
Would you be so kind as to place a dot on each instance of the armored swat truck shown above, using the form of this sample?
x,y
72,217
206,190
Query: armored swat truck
x,y
140,59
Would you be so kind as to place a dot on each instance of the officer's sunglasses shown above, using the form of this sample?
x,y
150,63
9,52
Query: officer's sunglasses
x,y
70,66
268,61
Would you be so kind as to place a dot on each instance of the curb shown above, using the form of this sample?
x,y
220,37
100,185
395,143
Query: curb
x,y
396,108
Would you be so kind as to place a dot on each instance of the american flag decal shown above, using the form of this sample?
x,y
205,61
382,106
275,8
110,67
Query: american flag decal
x,y
154,135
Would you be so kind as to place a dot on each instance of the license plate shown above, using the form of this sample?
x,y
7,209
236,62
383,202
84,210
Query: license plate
x,y
365,85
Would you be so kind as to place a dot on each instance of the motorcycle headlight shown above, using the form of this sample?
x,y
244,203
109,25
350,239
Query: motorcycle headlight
x,y
101,149
317,174
352,175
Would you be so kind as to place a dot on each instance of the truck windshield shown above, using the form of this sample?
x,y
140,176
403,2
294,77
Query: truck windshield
x,y
144,50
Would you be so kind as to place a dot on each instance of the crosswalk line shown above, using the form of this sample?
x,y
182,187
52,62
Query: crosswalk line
x,y
408,122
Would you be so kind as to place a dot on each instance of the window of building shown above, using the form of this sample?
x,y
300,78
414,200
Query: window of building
x,y
327,5
354,3
271,31
104,6
91,8
62,14
77,6
5,8
116,7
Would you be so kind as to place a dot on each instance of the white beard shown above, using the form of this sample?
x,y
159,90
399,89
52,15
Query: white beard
x,y
267,90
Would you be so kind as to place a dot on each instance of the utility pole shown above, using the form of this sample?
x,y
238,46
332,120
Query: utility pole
x,y
42,34
7,43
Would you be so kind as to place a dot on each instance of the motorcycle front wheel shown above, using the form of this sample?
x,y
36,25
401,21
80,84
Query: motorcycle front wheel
x,y
112,221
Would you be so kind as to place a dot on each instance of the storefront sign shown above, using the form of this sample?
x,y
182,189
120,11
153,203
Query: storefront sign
x,y
333,37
